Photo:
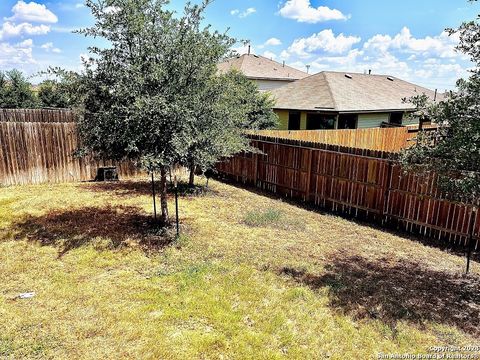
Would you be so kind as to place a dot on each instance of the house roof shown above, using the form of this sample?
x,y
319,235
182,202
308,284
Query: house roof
x,y
259,67
348,92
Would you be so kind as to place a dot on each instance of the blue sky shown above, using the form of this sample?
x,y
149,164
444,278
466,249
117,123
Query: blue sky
x,y
402,38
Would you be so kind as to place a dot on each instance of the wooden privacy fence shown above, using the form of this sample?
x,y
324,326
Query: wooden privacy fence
x,y
391,139
357,182
37,115
40,146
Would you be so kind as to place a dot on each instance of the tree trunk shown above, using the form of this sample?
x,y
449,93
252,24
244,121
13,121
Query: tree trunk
x,y
154,198
163,196
191,180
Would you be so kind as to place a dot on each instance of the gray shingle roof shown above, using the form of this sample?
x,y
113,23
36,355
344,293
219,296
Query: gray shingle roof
x,y
259,67
334,91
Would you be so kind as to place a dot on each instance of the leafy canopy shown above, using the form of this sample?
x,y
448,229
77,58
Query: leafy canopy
x,y
15,91
154,94
454,150
227,106
52,94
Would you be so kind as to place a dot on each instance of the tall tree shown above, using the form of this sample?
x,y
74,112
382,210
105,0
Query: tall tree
x,y
453,151
51,93
227,106
141,95
15,91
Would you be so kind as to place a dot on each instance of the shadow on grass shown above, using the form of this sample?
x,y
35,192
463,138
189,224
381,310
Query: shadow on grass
x,y
116,226
144,187
390,292
441,244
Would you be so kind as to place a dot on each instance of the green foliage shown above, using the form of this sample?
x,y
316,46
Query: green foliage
x,y
15,91
153,95
253,107
145,96
454,150
224,108
52,94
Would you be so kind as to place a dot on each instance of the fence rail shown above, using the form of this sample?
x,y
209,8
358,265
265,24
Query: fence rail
x,y
37,115
383,139
357,182
36,146
392,139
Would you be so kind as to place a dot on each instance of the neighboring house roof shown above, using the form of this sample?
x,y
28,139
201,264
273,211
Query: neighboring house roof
x,y
260,68
348,92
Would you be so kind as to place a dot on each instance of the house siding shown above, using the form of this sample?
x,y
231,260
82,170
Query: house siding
x,y
283,116
409,120
366,121
282,119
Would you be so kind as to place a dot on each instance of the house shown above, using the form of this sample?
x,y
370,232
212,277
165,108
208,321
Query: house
x,y
339,100
268,74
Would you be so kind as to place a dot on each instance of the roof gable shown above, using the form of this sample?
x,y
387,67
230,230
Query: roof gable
x,y
259,67
311,93
345,92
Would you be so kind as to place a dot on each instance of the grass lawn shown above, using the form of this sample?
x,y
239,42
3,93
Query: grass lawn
x,y
251,277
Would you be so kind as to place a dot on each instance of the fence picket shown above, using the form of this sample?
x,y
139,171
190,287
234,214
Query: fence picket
x,y
37,146
363,183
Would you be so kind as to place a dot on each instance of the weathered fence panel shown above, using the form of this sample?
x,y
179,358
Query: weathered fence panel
x,y
37,146
37,115
383,139
391,139
358,182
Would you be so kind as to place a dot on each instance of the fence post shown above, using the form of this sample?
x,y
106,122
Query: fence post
x,y
309,175
386,192
255,174
471,228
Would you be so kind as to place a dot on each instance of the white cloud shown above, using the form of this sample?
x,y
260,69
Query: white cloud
x,y
48,47
441,45
248,12
429,61
14,55
273,42
303,11
9,30
270,55
243,49
346,62
325,41
300,65
285,54
79,5
32,12
243,14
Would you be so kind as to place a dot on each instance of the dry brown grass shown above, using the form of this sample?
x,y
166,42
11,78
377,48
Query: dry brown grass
x,y
299,284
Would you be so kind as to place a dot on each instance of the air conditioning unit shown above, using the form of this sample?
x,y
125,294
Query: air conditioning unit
x,y
107,173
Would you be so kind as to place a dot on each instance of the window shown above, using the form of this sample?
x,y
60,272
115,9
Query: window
x,y
347,121
396,118
294,120
320,121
